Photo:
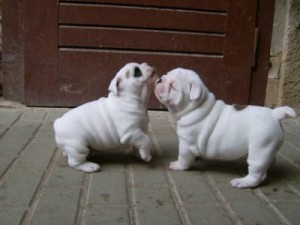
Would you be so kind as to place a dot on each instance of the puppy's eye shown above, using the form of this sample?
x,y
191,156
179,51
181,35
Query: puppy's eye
x,y
137,72
158,81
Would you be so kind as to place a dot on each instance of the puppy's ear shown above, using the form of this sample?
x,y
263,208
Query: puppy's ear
x,y
114,86
195,90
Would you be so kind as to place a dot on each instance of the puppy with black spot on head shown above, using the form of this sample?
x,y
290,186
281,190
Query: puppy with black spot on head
x,y
120,119
210,129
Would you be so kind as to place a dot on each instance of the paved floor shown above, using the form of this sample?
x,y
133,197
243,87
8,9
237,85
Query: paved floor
x,y
37,187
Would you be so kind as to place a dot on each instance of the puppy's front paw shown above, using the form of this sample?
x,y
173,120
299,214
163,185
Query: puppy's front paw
x,y
88,167
176,166
238,183
146,157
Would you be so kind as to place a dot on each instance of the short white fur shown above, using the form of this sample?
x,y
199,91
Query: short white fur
x,y
120,119
210,129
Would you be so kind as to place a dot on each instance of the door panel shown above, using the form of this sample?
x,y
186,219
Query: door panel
x,y
141,17
216,5
141,40
104,64
84,46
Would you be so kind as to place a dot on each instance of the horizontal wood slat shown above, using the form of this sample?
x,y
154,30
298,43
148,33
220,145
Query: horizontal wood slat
x,y
137,17
85,72
145,40
214,5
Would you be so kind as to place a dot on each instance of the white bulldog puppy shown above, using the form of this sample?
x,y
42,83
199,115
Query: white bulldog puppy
x,y
120,119
210,129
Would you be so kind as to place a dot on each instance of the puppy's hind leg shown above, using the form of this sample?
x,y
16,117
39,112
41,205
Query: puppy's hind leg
x,y
258,161
77,160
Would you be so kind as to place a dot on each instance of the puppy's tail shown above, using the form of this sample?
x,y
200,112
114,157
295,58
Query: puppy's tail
x,y
281,112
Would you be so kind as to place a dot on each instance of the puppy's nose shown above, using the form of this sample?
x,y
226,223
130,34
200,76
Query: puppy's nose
x,y
158,81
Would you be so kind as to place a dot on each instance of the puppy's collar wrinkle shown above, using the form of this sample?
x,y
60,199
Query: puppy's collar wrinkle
x,y
128,98
198,111
131,99
190,108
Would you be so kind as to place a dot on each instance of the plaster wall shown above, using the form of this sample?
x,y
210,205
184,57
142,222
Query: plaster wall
x,y
284,77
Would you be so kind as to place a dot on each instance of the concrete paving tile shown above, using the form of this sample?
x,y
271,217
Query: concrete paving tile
x,y
166,138
13,142
57,206
158,114
224,177
290,210
156,206
7,119
280,191
291,126
54,113
105,215
20,187
249,208
209,214
193,188
222,172
149,175
35,159
11,215
291,136
46,135
282,171
162,215
290,153
154,197
41,144
113,166
108,188
5,162
65,176
45,138
40,150
295,186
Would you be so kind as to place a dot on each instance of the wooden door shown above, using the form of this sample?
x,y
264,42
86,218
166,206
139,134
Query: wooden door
x,y
73,48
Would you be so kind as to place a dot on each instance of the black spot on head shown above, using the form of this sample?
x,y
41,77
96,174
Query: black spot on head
x,y
239,107
137,72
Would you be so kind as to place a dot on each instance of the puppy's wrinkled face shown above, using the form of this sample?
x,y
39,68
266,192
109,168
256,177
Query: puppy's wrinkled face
x,y
178,88
132,79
